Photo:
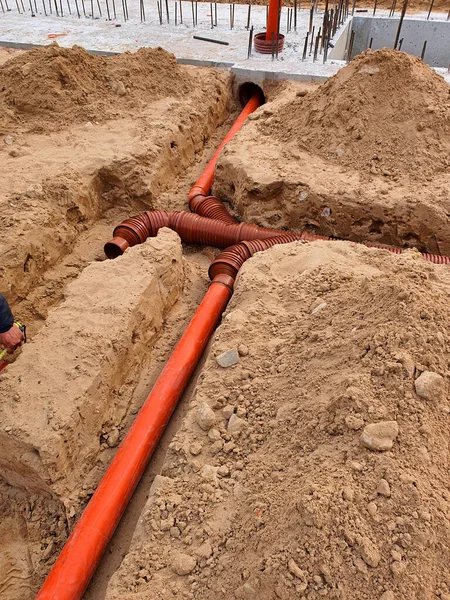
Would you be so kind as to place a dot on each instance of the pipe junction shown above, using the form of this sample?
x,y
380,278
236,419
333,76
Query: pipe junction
x,y
208,224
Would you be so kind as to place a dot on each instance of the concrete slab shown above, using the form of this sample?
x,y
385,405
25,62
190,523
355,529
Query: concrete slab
x,y
101,35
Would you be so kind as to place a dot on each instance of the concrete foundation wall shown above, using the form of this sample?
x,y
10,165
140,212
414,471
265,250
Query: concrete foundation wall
x,y
414,33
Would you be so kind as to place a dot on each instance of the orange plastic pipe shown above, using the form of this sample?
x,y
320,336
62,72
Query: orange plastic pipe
x,y
204,183
272,20
80,556
3,364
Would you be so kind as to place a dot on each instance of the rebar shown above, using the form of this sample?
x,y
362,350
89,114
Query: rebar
x,y
350,46
370,43
316,46
431,8
212,15
248,16
305,47
273,45
176,14
400,44
374,7
423,49
250,42
312,39
167,11
204,39
159,7
181,13
107,10
400,23
142,10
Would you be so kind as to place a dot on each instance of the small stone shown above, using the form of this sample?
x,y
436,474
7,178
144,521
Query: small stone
x,y
369,552
183,564
9,140
195,448
380,436
205,416
235,424
228,358
242,350
120,89
388,595
223,471
204,551
227,411
214,434
356,466
14,153
398,568
113,437
301,93
348,493
383,488
175,532
295,569
372,508
430,386
229,447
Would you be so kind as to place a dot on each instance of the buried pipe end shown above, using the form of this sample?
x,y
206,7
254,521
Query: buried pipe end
x,y
116,247
247,90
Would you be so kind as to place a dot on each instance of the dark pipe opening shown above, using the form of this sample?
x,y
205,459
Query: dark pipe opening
x,y
247,90
112,251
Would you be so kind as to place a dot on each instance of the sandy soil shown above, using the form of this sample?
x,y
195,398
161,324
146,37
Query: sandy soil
x,y
317,465
364,156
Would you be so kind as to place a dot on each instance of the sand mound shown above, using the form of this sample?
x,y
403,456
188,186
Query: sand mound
x,y
52,86
317,466
385,113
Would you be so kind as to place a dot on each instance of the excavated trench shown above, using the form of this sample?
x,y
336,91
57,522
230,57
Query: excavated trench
x,y
53,271
103,330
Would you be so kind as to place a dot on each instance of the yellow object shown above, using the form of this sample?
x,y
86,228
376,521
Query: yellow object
x,y
23,329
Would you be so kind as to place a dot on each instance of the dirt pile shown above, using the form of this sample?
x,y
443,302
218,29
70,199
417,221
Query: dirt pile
x,y
52,86
317,465
386,113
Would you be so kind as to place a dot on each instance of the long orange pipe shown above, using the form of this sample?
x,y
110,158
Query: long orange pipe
x,y
202,186
80,556
272,20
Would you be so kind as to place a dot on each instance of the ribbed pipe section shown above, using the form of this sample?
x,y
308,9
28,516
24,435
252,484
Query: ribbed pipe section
x,y
193,229
211,208
231,259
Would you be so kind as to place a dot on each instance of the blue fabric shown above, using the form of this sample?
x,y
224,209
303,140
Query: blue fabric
x,y
6,316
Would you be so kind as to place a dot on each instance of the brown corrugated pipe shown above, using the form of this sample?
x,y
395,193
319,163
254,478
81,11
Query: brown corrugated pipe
x,y
192,229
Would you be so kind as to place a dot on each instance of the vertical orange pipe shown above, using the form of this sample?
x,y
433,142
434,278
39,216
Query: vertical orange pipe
x,y
204,182
272,20
80,556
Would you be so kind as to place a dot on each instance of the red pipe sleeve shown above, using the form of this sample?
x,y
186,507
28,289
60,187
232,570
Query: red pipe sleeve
x,y
272,20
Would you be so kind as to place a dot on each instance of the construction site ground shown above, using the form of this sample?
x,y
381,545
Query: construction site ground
x,y
316,465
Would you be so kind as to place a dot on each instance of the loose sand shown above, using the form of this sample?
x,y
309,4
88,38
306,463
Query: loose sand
x,y
317,465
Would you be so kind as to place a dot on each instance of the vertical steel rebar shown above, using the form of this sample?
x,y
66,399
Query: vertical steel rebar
x,y
248,16
423,49
400,23
167,11
305,46
312,39
212,15
431,8
250,42
350,46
